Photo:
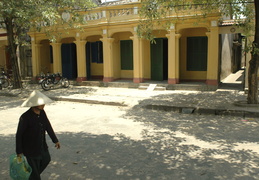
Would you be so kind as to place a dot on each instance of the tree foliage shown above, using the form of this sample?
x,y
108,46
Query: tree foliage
x,y
153,12
244,12
18,17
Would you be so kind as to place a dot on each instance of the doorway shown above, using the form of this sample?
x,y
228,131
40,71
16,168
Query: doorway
x,y
69,60
159,59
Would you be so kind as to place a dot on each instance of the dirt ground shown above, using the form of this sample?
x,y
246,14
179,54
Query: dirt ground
x,y
103,142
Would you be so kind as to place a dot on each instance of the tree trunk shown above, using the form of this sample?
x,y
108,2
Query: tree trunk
x,y
252,97
252,80
22,61
12,47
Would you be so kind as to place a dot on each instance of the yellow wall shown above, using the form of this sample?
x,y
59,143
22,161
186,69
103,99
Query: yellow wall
x,y
96,69
3,46
2,56
147,59
68,40
45,65
122,36
159,33
126,74
93,38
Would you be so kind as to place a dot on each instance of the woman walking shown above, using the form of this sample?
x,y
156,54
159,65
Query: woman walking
x,y
30,135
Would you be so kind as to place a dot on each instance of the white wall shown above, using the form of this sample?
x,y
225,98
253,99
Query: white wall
x,y
226,55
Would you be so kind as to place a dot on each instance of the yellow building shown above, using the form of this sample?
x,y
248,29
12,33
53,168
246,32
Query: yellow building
x,y
3,52
109,49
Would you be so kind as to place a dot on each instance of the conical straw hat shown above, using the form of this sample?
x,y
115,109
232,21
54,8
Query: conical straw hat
x,y
36,98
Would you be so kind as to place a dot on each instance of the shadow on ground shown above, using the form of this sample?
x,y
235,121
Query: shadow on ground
x,y
218,99
187,148
7,95
7,103
173,146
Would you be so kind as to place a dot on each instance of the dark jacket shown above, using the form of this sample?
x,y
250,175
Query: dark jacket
x,y
30,135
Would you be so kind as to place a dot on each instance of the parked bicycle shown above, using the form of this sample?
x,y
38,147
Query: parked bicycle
x,y
4,79
41,77
49,81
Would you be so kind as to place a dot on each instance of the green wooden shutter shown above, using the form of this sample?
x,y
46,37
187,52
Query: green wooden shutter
x,y
100,52
51,54
94,52
88,60
197,50
126,47
157,60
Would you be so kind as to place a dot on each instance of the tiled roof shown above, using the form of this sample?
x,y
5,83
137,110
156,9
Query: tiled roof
x,y
231,22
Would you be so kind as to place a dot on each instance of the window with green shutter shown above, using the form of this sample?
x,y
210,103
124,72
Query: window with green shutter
x,y
126,50
96,51
197,51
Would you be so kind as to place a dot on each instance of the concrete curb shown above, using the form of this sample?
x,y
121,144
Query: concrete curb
x,y
177,109
206,111
88,101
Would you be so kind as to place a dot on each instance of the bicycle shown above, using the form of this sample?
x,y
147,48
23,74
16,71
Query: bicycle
x,y
50,81
4,79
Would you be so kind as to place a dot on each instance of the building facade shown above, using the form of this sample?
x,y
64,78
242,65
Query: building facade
x,y
109,49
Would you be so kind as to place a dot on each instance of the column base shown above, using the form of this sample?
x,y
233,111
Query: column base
x,y
108,79
173,81
138,80
80,79
34,78
212,82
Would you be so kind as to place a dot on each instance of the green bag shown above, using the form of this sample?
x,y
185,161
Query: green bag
x,y
19,168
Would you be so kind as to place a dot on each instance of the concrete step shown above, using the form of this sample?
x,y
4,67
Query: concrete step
x,y
152,88
192,87
145,86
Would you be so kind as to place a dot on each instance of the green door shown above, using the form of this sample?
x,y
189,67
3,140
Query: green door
x,y
159,54
94,54
69,60
88,60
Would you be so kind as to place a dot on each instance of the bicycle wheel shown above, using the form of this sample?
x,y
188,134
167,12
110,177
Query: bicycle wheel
x,y
24,84
5,83
45,85
64,82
